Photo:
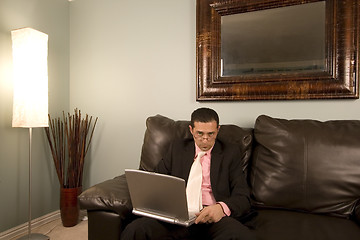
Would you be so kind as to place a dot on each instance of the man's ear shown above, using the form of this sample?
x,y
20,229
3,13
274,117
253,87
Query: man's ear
x,y
191,129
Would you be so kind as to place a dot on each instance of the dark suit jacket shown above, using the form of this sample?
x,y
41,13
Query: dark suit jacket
x,y
227,178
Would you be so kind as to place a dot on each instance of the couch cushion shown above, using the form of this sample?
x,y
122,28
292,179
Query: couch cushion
x,y
160,131
307,165
290,225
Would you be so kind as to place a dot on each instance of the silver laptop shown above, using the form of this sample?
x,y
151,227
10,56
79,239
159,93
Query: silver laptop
x,y
159,196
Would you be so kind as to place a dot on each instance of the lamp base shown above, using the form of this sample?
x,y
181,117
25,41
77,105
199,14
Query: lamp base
x,y
34,236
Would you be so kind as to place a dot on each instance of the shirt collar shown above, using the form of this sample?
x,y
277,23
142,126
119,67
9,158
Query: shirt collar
x,y
197,150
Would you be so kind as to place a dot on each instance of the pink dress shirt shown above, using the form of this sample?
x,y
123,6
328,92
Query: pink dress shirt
x,y
207,194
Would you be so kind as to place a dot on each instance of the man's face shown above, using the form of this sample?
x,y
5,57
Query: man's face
x,y
204,134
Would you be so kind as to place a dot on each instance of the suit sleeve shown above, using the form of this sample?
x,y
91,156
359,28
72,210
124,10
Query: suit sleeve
x,y
239,199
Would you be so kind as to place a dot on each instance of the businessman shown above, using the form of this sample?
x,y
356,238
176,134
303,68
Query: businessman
x,y
224,194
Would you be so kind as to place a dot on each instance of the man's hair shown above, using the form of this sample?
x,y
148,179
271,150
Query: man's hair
x,y
204,115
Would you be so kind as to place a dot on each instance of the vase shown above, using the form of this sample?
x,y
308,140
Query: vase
x,y
69,206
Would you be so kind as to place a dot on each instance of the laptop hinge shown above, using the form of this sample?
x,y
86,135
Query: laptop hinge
x,y
153,215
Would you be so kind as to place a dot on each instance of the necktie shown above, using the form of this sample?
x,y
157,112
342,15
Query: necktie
x,y
193,189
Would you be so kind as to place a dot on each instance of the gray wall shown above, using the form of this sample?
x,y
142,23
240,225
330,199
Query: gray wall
x,y
135,58
51,17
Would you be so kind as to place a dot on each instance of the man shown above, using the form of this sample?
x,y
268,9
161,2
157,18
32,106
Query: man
x,y
225,194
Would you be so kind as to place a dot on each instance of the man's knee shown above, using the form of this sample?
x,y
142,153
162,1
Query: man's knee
x,y
230,228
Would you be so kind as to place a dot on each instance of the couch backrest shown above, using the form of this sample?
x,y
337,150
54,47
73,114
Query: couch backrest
x,y
306,165
160,131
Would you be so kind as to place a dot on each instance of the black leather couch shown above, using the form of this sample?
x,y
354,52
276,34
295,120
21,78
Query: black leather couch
x,y
304,177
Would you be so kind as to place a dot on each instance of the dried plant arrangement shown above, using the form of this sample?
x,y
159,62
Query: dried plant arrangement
x,y
69,140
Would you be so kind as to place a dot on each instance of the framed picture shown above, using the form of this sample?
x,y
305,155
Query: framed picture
x,y
277,50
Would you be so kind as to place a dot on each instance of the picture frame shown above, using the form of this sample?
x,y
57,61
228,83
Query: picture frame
x,y
337,80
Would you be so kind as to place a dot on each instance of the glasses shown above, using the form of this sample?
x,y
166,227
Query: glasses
x,y
203,135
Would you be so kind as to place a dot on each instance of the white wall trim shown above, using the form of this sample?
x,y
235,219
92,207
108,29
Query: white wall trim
x,y
23,228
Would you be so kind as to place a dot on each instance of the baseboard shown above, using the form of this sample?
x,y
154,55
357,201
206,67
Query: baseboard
x,y
23,228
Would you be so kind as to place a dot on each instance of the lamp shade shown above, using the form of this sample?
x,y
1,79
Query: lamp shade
x,y
30,101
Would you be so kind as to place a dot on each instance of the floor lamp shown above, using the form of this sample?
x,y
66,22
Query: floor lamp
x,y
30,102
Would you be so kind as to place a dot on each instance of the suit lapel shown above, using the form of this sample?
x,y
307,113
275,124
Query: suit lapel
x,y
188,159
216,160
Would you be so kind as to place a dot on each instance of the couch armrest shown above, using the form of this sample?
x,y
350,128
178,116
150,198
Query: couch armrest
x,y
111,195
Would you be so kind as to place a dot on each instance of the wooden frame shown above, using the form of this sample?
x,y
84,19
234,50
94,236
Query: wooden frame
x,y
338,81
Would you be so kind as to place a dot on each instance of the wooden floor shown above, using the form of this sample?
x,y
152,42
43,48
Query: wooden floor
x,y
56,231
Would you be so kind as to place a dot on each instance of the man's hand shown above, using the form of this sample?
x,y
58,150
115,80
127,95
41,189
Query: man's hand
x,y
210,214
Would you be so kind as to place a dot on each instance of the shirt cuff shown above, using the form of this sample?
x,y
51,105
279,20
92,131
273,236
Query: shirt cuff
x,y
225,208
